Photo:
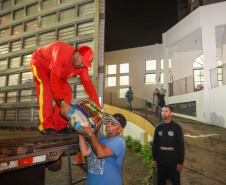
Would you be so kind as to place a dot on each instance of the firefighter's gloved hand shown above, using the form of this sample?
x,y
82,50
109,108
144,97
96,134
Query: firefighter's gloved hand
x,y
106,119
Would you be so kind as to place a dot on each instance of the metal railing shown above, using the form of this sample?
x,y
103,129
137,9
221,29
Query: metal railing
x,y
143,107
218,76
182,86
188,85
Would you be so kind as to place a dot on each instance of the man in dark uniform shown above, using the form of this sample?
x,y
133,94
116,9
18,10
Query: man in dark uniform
x,y
168,148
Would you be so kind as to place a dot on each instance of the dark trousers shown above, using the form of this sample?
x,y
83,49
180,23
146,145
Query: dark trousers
x,y
168,171
129,105
157,110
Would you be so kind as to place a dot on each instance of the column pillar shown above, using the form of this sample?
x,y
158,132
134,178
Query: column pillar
x,y
209,55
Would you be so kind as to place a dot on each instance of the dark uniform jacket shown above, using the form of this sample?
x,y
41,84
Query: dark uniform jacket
x,y
168,144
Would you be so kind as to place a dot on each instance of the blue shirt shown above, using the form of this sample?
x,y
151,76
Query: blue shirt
x,y
107,171
129,95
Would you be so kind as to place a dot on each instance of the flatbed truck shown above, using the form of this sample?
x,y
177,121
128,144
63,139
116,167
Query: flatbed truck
x,y
24,155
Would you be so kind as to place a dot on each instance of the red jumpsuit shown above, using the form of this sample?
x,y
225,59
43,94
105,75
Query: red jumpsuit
x,y
51,66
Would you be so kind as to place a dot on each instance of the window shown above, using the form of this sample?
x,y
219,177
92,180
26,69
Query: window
x,y
26,59
13,79
18,14
19,1
85,28
31,25
170,63
11,97
170,77
3,48
32,9
26,77
3,64
46,38
14,62
10,115
198,73
80,92
186,108
7,4
25,96
198,79
122,92
67,14
150,79
24,114
150,65
2,81
220,76
198,62
85,9
5,18
66,33
48,19
48,3
111,81
1,114
161,77
29,42
36,114
124,68
161,64
124,80
219,72
5,33
2,97
111,69
15,46
17,29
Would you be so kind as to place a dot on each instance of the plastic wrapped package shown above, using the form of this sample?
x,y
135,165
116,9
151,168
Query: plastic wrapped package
x,y
86,112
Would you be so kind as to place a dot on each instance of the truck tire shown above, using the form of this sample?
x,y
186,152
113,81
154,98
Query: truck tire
x,y
56,165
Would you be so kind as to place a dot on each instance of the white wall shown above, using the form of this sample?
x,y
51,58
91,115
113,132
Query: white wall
x,y
133,130
195,96
217,106
183,28
136,58
182,64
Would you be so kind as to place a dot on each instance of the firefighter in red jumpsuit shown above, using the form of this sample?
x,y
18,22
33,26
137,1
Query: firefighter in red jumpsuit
x,y
52,65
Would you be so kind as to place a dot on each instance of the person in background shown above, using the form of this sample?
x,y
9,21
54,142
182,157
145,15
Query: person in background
x,y
129,98
106,152
52,65
160,92
168,148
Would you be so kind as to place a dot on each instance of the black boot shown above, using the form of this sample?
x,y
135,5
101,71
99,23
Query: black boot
x,y
66,130
49,131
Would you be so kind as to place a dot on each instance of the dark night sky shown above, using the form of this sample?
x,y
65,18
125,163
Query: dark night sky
x,y
136,23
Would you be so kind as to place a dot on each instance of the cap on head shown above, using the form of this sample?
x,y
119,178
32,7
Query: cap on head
x,y
118,118
87,55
